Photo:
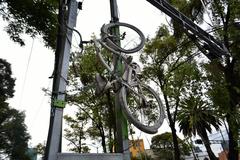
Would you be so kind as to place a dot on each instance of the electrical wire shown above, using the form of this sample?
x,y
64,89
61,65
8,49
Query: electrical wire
x,y
26,73
37,111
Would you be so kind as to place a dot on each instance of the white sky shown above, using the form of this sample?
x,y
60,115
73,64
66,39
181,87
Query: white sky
x,y
29,95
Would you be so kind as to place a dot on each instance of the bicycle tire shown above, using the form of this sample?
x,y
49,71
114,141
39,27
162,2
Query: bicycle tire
x,y
106,33
98,53
130,111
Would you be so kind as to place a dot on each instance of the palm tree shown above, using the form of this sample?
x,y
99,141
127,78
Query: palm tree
x,y
196,117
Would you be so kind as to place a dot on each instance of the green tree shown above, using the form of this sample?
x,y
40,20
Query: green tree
x,y
167,64
32,18
13,132
40,148
197,117
96,111
75,132
225,16
6,81
162,145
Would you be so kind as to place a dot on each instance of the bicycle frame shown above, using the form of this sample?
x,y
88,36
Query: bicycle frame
x,y
126,79
130,79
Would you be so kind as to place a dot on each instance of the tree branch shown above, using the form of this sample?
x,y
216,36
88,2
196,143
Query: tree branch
x,y
225,36
176,110
219,10
73,142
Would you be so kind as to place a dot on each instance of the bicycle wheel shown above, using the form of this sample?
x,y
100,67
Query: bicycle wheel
x,y
129,40
142,107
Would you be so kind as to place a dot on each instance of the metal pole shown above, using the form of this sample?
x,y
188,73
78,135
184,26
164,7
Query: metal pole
x,y
54,140
122,144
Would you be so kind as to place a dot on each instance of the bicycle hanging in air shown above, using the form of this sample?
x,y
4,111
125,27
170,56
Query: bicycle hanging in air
x,y
140,103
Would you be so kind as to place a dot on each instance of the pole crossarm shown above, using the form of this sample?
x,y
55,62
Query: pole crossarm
x,y
216,46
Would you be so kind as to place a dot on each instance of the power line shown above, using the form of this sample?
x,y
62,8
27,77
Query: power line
x,y
26,72
39,107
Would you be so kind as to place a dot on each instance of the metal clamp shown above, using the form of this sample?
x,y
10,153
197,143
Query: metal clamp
x,y
59,103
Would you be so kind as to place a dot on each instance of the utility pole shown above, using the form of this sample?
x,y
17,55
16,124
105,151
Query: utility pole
x,y
122,144
67,16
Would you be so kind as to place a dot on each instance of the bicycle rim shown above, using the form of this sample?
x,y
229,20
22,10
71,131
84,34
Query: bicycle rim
x,y
147,115
129,40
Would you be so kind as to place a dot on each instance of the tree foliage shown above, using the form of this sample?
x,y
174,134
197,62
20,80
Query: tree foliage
x,y
223,73
162,145
13,132
40,149
171,65
6,81
197,117
75,133
95,112
30,17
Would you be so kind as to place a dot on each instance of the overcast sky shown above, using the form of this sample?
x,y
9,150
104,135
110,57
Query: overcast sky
x,y
30,81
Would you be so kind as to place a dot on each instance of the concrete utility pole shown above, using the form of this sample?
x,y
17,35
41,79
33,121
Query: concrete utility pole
x,y
67,15
122,144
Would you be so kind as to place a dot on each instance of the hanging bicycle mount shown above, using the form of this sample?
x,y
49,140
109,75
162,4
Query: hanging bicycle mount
x,y
211,47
